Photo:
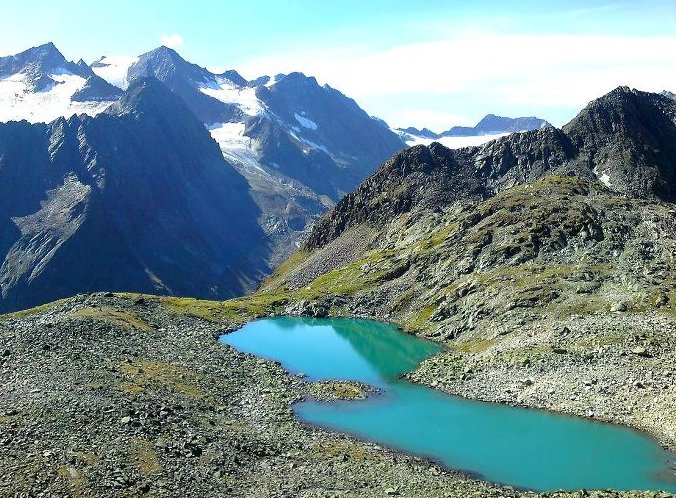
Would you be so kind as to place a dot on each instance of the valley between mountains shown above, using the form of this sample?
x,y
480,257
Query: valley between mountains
x,y
544,262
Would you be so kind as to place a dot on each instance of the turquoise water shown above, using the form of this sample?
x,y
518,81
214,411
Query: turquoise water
x,y
524,448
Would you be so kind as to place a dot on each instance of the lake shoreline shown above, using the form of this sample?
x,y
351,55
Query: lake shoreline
x,y
108,395
512,378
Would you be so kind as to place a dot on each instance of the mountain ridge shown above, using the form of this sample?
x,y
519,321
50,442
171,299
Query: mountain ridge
x,y
300,145
490,124
578,148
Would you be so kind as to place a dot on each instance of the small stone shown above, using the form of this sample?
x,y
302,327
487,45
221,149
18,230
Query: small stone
x,y
391,491
661,300
618,307
641,351
125,420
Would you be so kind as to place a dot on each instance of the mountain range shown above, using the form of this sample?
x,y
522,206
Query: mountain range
x,y
185,182
289,149
488,128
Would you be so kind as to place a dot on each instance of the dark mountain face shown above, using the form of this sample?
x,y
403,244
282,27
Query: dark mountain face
x,y
630,137
325,116
491,124
313,167
139,198
626,139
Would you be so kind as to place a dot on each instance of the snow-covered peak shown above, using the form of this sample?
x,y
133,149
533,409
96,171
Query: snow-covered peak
x,y
40,85
39,62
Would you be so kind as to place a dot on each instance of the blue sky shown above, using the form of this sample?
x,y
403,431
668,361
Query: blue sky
x,y
432,63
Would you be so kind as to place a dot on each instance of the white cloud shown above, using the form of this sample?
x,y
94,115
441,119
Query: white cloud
x,y
471,75
172,41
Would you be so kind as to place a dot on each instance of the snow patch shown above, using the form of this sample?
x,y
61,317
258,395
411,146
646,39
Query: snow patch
x,y
17,102
453,142
114,69
236,148
305,122
316,146
603,177
224,90
273,80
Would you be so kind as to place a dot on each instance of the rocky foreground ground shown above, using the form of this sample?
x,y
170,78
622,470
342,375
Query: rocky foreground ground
x,y
123,395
